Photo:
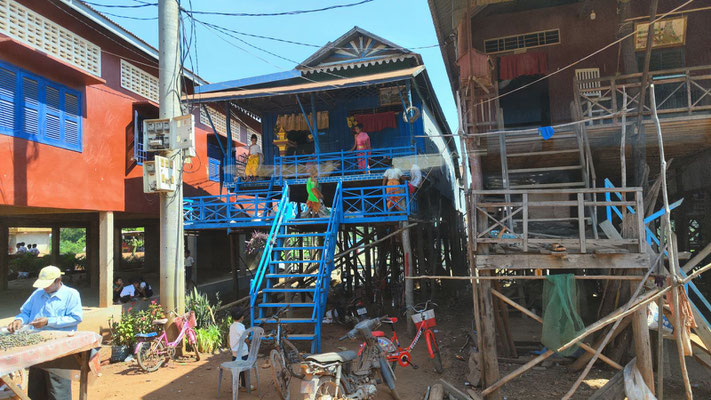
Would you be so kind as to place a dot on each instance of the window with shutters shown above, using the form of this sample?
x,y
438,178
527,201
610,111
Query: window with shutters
x,y
40,110
523,41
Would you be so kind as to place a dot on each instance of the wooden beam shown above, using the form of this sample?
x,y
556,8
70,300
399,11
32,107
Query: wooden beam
x,y
553,261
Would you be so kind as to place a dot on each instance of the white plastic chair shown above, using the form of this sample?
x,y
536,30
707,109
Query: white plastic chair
x,y
255,334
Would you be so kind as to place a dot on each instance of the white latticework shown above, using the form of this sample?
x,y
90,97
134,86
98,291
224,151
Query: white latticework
x,y
25,25
240,132
138,81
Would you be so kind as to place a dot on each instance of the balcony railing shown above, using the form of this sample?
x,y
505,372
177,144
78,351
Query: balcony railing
x,y
678,91
209,211
533,228
385,203
342,163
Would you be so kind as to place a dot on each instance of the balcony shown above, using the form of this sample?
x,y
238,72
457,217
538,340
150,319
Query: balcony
x,y
679,92
342,165
557,228
223,211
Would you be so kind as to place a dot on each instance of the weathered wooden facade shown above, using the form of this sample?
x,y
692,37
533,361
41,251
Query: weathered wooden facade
x,y
557,103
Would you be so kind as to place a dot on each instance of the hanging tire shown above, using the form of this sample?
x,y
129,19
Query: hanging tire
x,y
281,374
151,355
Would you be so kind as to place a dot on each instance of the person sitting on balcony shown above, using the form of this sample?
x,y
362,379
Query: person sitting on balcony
x,y
361,143
393,178
254,160
315,197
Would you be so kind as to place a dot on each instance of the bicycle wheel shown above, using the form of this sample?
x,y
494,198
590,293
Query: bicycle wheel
x,y
151,355
293,358
434,352
281,376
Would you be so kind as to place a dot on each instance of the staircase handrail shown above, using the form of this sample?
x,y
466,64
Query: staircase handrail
x,y
269,245
324,270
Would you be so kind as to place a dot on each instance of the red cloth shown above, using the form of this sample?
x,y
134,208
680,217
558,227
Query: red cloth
x,y
377,122
516,65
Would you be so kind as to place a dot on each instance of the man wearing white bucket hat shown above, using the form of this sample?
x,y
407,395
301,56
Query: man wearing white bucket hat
x,y
53,306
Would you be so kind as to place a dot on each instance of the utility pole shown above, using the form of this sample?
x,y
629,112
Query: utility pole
x,y
172,276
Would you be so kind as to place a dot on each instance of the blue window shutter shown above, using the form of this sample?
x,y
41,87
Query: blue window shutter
x,y
53,117
72,121
213,170
8,89
31,104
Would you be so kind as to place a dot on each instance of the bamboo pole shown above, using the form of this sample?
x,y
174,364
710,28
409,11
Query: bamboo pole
x,y
673,256
535,317
616,315
512,277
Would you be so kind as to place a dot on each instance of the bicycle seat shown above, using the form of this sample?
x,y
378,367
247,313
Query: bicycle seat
x,y
147,335
341,356
161,321
378,333
391,320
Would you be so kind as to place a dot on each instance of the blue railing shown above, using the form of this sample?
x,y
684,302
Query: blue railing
x,y
385,202
258,206
283,209
342,163
326,263
650,236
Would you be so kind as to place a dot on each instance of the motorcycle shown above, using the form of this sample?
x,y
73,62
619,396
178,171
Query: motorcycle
x,y
346,374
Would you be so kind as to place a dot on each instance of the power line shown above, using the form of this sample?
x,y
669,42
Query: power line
x,y
238,14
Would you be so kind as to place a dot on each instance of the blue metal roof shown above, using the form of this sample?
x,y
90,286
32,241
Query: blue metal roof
x,y
252,80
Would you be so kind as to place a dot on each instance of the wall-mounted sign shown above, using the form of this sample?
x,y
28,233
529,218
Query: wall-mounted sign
x,y
390,95
667,33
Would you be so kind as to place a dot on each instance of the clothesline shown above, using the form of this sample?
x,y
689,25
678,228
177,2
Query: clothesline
x,y
532,130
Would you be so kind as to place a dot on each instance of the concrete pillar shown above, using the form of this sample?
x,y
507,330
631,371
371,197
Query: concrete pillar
x,y
55,246
106,258
4,259
92,252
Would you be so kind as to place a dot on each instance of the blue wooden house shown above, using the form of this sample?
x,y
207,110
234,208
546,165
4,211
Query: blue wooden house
x,y
307,116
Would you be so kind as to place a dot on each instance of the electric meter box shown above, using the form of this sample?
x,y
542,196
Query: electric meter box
x,y
156,134
159,175
184,134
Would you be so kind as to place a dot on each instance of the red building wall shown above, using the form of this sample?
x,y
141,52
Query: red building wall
x,y
581,36
103,176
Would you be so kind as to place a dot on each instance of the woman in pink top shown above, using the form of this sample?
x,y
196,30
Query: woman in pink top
x,y
361,142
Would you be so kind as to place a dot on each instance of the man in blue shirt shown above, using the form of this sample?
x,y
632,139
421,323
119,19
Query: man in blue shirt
x,y
53,306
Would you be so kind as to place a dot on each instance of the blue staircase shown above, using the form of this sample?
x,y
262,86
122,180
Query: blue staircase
x,y
297,248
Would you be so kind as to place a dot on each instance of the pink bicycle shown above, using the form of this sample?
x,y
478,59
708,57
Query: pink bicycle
x,y
152,354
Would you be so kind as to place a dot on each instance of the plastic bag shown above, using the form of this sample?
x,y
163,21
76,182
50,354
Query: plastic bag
x,y
653,317
635,388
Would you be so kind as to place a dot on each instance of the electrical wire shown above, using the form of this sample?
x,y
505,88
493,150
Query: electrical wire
x,y
237,14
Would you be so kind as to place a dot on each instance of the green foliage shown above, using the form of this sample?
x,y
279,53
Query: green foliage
x,y
123,332
33,264
209,339
204,311
132,262
72,240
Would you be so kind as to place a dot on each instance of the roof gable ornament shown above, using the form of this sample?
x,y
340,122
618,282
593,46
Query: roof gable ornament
x,y
356,47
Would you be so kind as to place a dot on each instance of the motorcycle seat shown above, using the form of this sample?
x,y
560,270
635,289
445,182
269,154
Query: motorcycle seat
x,y
341,356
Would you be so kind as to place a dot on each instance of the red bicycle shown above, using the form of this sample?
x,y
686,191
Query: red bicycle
x,y
424,319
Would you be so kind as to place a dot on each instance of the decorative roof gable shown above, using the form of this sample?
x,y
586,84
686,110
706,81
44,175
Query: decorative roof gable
x,y
354,47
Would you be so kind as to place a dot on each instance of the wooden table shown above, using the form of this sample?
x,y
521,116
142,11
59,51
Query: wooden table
x,y
62,350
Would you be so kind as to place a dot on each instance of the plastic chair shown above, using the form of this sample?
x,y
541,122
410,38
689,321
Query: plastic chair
x,y
239,365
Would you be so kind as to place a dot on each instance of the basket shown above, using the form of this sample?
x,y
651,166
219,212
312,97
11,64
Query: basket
x,y
192,322
424,319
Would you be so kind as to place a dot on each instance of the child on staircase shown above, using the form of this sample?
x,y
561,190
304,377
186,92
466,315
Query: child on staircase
x,y
315,198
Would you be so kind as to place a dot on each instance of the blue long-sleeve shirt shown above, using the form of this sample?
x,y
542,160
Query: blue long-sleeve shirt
x,y
61,308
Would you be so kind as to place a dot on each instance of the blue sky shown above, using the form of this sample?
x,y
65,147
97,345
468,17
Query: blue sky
x,y
407,23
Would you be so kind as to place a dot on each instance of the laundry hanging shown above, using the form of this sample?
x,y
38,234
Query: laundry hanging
x,y
515,65
378,121
297,122
546,132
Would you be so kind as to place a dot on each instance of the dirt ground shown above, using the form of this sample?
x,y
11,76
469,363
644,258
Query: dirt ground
x,y
198,380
